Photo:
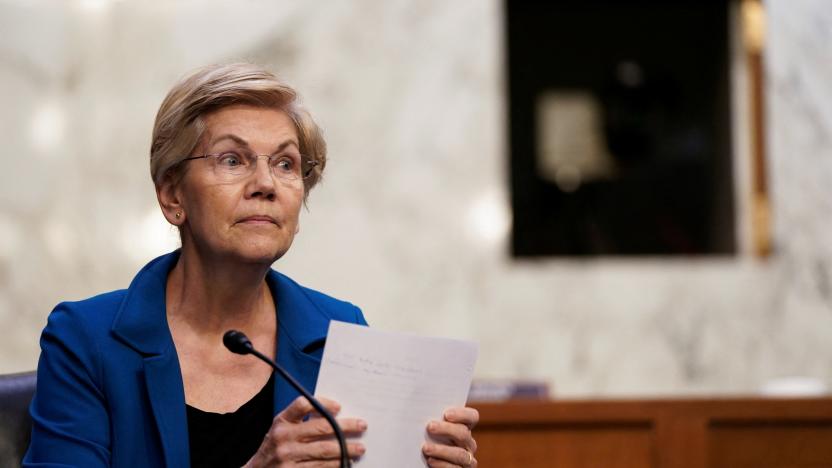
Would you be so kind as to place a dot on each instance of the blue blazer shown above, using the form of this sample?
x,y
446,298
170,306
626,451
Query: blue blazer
x,y
110,391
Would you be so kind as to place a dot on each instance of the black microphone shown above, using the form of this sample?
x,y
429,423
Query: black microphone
x,y
237,342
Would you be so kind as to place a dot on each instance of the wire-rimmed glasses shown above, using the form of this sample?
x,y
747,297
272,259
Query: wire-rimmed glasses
x,y
239,163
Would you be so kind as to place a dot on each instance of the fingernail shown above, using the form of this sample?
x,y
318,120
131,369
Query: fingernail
x,y
432,426
427,448
361,449
362,425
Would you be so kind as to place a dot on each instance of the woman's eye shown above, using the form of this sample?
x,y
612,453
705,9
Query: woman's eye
x,y
285,165
229,160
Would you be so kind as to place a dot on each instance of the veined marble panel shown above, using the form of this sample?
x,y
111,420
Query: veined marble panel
x,y
412,219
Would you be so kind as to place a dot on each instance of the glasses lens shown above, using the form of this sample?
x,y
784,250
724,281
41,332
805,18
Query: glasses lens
x,y
288,166
231,164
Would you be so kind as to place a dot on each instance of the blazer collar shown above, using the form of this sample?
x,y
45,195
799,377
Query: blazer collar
x,y
302,329
141,323
299,319
141,320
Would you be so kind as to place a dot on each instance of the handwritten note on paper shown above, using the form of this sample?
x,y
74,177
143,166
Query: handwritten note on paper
x,y
397,383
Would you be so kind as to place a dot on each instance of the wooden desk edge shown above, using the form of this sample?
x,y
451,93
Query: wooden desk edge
x,y
637,411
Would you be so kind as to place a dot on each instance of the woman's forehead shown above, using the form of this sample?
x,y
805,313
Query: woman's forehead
x,y
250,126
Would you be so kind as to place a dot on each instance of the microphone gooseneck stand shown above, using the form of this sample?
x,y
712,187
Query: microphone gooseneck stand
x,y
237,342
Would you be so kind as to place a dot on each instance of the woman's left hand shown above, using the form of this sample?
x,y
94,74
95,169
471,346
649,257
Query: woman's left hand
x,y
459,446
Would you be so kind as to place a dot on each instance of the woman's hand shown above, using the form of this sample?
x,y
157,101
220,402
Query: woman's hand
x,y
459,447
291,441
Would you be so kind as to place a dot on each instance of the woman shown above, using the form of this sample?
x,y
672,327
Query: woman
x,y
139,377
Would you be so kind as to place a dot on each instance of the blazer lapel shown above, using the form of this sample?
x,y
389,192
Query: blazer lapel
x,y
302,329
167,398
141,323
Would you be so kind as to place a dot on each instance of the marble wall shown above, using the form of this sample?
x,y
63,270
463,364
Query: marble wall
x,y
412,219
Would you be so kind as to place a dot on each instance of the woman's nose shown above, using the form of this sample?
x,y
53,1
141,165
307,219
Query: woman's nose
x,y
262,183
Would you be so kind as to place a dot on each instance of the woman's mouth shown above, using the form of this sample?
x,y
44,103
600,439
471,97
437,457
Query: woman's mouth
x,y
257,219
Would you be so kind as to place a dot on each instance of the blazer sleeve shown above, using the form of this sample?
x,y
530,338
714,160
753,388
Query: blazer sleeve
x,y
70,421
359,317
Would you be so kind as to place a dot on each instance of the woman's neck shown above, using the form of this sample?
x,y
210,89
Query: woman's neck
x,y
213,294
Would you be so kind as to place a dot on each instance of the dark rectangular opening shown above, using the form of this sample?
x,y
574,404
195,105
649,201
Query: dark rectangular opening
x,y
620,128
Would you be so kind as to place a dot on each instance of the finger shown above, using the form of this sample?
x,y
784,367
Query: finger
x,y
318,428
458,434
327,450
296,410
462,415
301,407
332,406
454,456
352,426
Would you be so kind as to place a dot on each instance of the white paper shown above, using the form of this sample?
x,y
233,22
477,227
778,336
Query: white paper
x,y
397,383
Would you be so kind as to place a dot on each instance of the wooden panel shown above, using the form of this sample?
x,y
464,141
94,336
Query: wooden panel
x,y
774,445
696,433
565,447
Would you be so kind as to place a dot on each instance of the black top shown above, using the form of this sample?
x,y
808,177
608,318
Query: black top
x,y
231,439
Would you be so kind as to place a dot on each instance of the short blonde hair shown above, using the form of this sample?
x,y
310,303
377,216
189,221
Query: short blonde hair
x,y
179,127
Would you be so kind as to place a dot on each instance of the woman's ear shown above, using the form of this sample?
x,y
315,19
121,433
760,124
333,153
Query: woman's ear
x,y
170,200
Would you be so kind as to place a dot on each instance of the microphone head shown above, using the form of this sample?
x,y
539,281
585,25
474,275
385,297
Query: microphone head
x,y
237,342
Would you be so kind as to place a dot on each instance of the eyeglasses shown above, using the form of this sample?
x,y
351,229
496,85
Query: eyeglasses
x,y
237,164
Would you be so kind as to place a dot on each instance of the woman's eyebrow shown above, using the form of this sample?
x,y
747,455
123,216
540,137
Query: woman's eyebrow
x,y
232,137
285,144
242,142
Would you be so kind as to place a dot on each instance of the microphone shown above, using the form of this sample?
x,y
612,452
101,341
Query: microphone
x,y
237,342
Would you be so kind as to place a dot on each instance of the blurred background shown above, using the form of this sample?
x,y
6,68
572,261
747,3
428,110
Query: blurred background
x,y
612,198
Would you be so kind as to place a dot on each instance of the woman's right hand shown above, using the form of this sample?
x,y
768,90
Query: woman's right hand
x,y
291,441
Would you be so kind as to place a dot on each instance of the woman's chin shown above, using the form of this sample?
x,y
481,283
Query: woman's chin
x,y
249,249
260,252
